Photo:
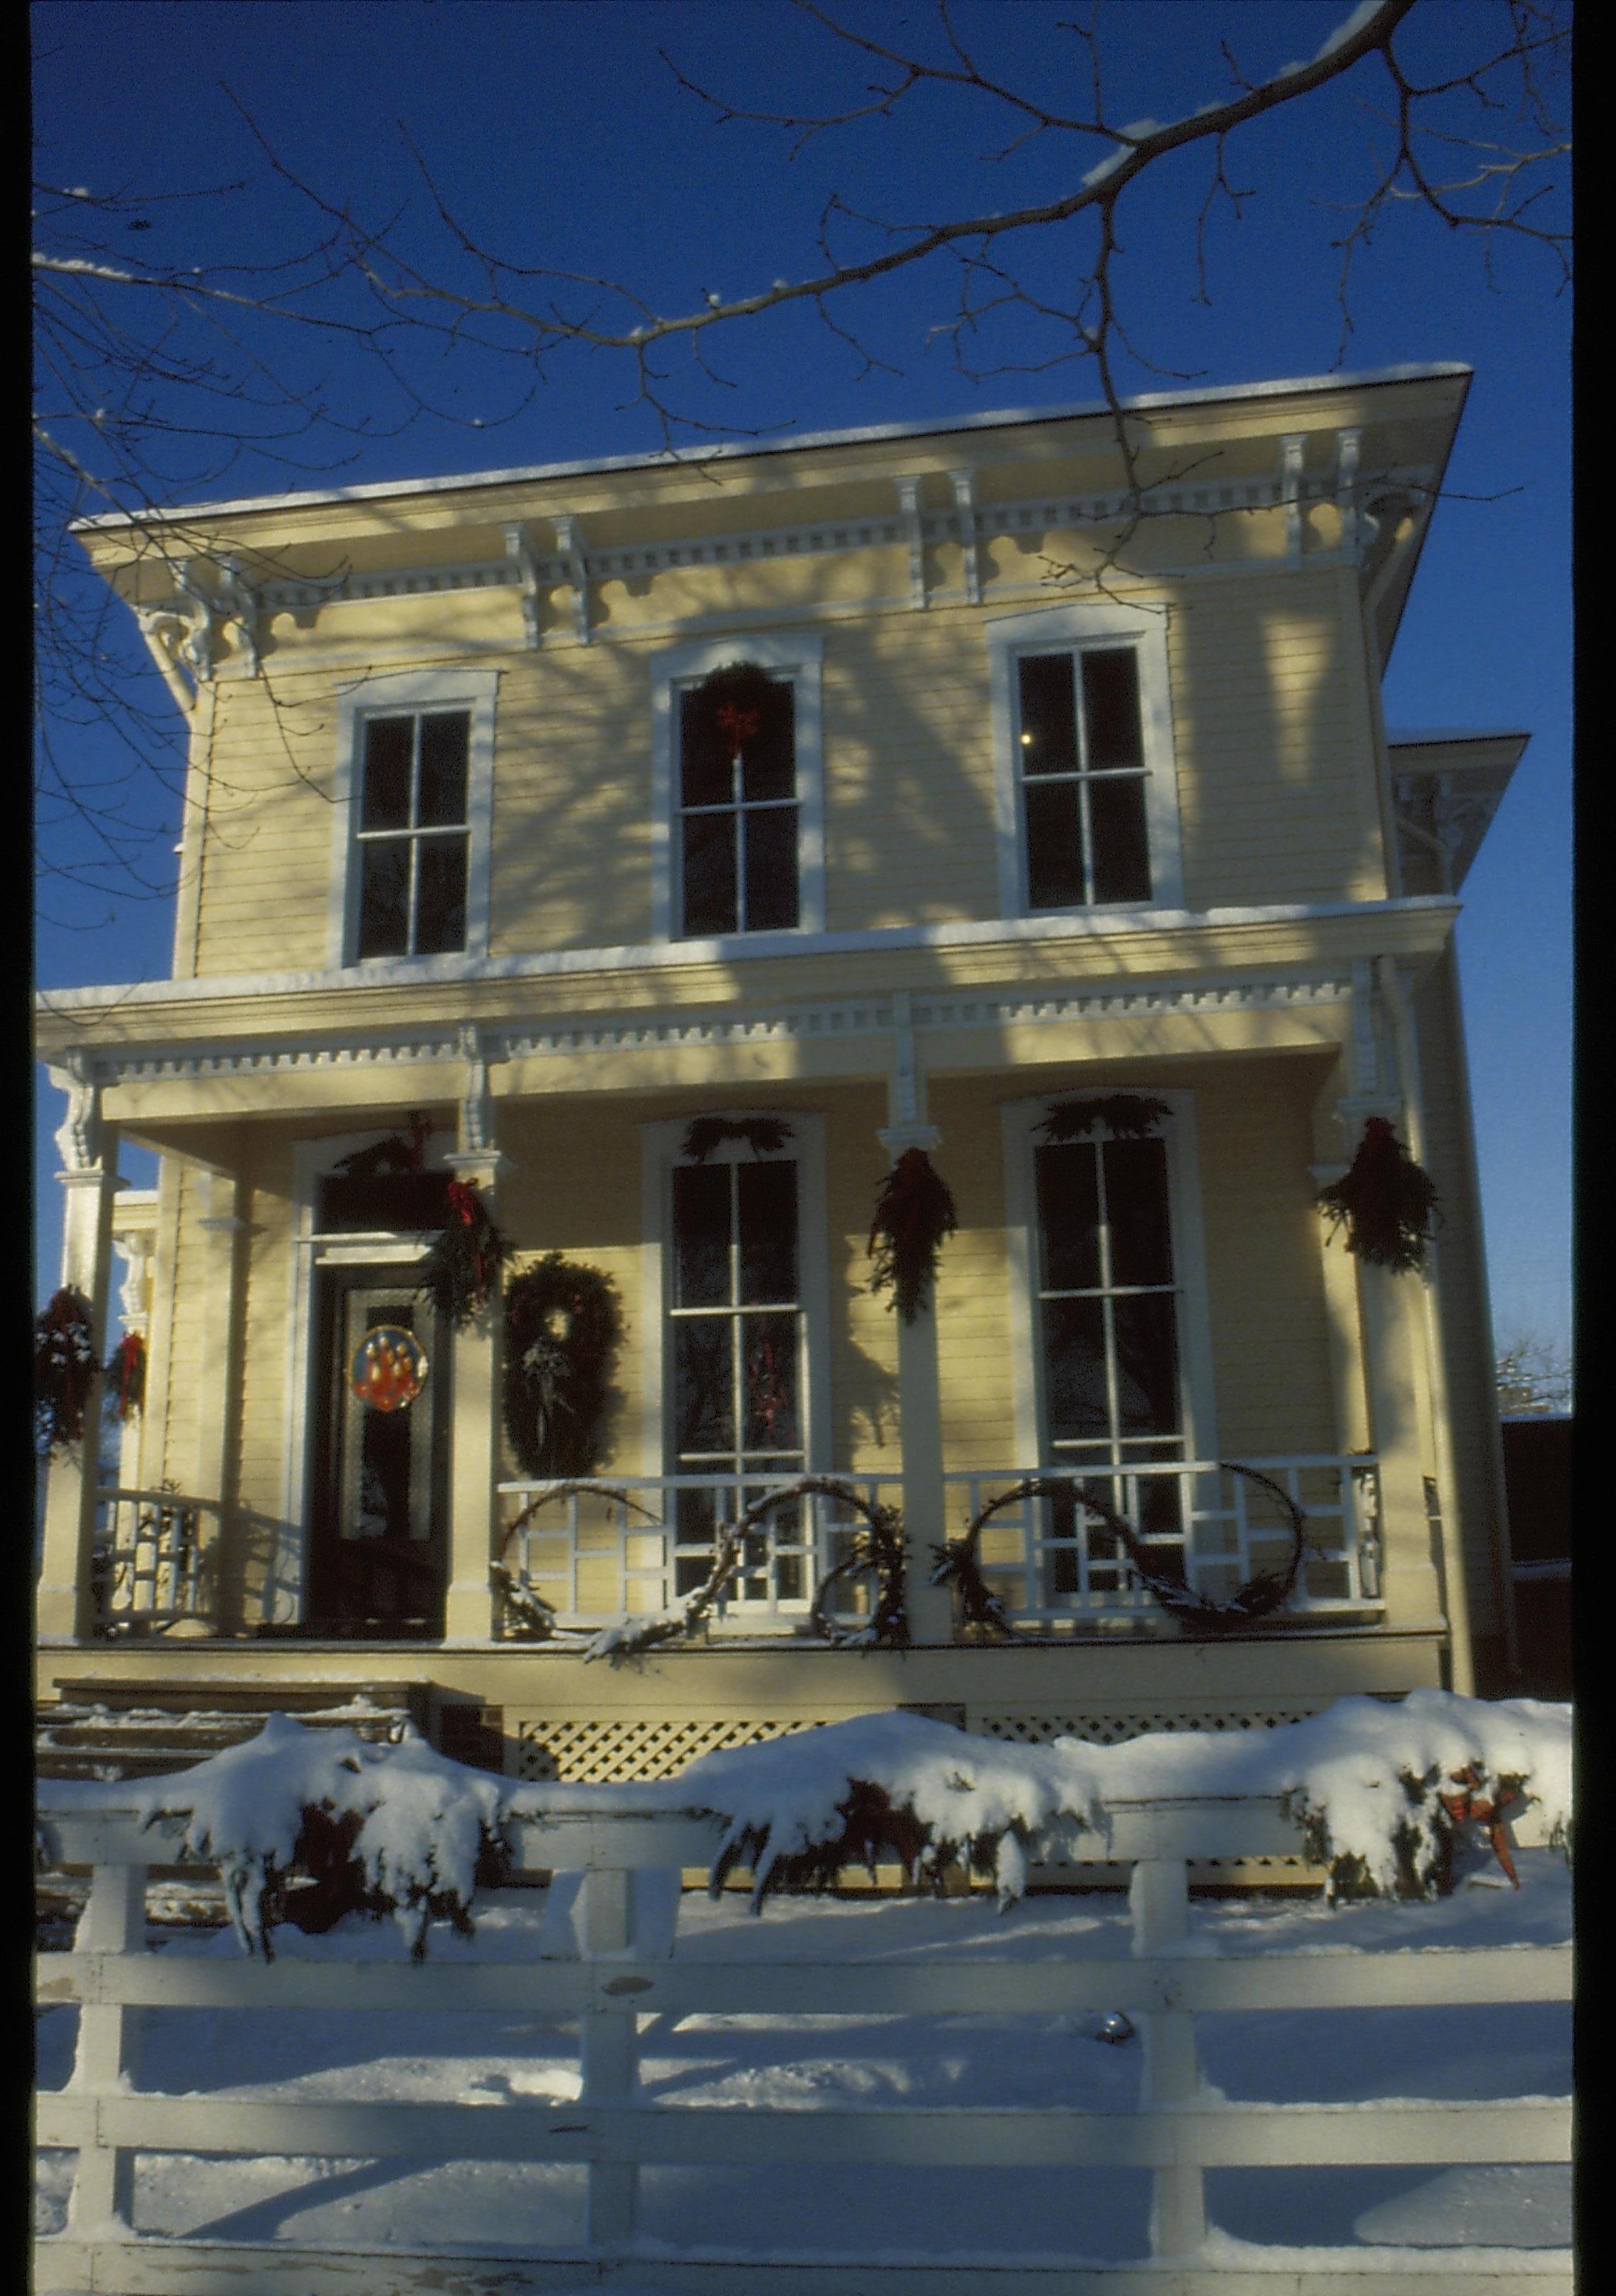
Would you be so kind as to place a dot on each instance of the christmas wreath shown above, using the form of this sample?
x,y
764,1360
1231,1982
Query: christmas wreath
x,y
458,1273
64,1370
126,1374
738,702
1385,1202
958,1563
563,1330
765,1135
1126,1116
876,1550
913,1212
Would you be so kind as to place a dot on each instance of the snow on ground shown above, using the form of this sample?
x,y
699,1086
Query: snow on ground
x,y
1339,2056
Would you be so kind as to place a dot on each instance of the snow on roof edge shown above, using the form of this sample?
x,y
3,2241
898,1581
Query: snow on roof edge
x,y
1417,371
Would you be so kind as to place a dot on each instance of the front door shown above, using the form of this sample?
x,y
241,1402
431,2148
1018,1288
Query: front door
x,y
381,1542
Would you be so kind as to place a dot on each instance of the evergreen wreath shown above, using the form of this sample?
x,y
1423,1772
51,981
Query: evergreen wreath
x,y
913,1213
459,1272
1255,1598
1126,1116
563,1330
1385,1202
765,1135
126,1372
877,1550
64,1370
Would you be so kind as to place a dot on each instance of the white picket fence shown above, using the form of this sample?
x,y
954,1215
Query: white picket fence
x,y
625,1972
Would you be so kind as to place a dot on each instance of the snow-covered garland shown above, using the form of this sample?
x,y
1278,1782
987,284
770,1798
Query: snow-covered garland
x,y
307,1824
64,1370
1385,1202
958,1563
464,1264
563,1330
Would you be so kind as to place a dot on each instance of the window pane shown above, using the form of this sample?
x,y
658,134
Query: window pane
x,y
1068,1215
771,869
769,1364
1049,741
1116,810
768,1232
703,1408
1135,1207
701,1235
710,873
1110,708
439,895
769,764
1147,1365
1074,1368
445,746
704,765
386,802
384,892
1054,845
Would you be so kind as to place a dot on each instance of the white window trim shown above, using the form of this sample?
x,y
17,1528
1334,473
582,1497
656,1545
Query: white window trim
x,y
802,657
312,1160
1021,1121
1098,622
403,694
659,1153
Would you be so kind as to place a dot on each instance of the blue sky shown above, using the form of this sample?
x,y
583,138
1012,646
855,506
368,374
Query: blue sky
x,y
557,131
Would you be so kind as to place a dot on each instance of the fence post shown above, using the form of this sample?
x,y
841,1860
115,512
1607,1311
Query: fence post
x,y
1159,1900
113,1922
609,2054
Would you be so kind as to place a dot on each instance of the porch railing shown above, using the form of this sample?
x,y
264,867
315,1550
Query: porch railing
x,y
153,1560
581,1554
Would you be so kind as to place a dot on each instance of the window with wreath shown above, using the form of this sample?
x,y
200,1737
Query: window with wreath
x,y
738,829
1109,1345
413,833
735,1360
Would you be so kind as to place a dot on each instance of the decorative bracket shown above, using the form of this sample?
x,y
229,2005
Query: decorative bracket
x,y
963,483
908,500
476,1109
1349,446
906,1086
79,1135
569,542
520,551
1293,454
237,607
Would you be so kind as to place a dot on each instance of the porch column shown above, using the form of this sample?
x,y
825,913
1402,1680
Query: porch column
x,y
221,1234
1344,1326
134,1239
474,1436
90,1180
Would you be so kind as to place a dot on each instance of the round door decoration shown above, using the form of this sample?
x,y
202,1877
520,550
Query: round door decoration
x,y
389,1369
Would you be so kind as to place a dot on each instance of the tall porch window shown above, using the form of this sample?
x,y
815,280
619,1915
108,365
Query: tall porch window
x,y
1109,1346
736,1365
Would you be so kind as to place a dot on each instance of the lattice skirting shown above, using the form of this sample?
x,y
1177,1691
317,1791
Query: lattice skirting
x,y
1111,1728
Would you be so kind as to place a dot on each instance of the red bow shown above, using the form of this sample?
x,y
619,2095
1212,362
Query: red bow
x,y
1467,1805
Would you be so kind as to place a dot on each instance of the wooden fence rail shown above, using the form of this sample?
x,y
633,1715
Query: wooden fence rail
x,y
628,1969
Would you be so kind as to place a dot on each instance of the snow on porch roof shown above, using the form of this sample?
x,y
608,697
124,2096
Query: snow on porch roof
x,y
870,434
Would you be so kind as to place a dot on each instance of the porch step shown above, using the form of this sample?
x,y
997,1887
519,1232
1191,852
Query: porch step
x,y
105,1730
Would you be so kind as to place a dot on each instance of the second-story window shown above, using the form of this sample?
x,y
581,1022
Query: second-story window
x,y
414,834
737,807
1081,742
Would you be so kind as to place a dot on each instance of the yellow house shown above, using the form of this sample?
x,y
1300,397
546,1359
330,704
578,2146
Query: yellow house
x,y
661,848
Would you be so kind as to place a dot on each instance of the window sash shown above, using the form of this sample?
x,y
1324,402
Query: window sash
x,y
1071,858
396,921
739,896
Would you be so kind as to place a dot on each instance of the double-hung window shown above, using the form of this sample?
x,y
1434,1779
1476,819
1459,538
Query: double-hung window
x,y
1088,801
738,818
414,781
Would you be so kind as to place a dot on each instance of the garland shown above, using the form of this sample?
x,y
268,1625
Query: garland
x,y
956,1561
913,1212
1126,1116
64,1370
458,1273
765,1135
1385,1202
563,1330
398,1153
126,1370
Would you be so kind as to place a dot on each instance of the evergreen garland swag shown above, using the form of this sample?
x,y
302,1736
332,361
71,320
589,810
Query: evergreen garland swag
x,y
127,1374
64,1369
765,1135
459,1272
913,1213
1126,1116
1385,1202
563,1327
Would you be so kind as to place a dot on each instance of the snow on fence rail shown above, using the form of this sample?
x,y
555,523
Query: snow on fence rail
x,y
623,1972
